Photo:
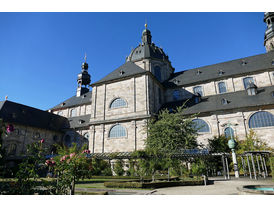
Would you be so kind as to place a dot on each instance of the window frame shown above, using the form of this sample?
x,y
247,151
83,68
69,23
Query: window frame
x,y
119,137
117,98
202,91
157,72
206,123
260,127
225,86
70,113
245,86
233,134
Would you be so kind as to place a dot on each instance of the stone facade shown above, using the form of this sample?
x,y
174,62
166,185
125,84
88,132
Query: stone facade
x,y
145,93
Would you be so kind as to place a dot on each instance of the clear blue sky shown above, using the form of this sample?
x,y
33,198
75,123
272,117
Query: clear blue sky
x,y
41,53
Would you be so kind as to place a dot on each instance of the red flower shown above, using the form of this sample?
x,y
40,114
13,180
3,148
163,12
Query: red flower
x,y
42,141
10,128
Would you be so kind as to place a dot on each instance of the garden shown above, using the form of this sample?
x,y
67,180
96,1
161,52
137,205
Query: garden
x,y
73,170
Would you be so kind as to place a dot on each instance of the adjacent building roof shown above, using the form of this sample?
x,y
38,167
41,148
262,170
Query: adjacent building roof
x,y
227,101
75,101
21,114
234,68
126,70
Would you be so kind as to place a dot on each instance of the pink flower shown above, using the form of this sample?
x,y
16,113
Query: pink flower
x,y
10,128
72,155
42,141
86,151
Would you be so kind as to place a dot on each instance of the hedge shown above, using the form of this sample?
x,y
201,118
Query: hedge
x,y
152,185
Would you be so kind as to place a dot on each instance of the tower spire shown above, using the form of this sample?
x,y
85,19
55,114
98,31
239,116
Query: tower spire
x,y
83,79
269,32
146,35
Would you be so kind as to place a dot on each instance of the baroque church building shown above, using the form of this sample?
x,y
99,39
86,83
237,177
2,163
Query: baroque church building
x,y
230,98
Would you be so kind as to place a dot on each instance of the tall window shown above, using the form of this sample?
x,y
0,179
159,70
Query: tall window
x,y
117,103
157,71
222,87
12,149
198,90
261,119
73,112
200,125
117,131
247,81
176,95
229,132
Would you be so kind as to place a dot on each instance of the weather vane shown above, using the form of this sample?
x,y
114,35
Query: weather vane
x,y
85,57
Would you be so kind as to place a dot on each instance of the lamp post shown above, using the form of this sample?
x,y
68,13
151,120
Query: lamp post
x,y
232,145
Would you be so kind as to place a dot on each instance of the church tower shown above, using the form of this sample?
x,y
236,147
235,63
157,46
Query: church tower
x,y
83,80
269,33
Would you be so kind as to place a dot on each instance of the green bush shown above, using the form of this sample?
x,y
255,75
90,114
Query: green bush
x,y
118,167
152,185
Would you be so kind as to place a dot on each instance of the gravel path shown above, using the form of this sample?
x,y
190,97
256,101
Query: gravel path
x,y
220,187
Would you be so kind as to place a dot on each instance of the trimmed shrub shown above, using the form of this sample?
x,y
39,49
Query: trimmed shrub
x,y
153,185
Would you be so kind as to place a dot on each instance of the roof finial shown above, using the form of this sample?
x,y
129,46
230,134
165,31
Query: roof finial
x,y
146,23
85,57
6,97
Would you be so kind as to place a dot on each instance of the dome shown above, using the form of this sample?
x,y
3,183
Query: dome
x,y
147,49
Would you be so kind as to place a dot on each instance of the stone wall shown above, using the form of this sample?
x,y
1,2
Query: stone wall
x,y
240,125
24,135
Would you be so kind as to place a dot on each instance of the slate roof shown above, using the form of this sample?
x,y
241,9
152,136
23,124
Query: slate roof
x,y
236,100
79,121
75,101
126,70
21,114
147,51
234,68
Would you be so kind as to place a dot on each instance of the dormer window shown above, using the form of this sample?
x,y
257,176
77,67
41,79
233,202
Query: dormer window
x,y
224,101
81,121
244,62
198,72
221,72
251,89
121,72
198,90
272,63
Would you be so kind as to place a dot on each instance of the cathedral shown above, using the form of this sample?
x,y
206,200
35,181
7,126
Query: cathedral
x,y
230,98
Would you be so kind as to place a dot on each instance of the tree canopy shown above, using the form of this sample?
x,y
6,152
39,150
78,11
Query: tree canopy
x,y
171,132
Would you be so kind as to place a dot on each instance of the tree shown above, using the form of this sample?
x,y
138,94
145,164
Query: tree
x,y
252,143
218,144
72,166
171,132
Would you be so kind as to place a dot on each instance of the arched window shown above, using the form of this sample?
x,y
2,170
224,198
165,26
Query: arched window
x,y
117,131
200,125
157,71
86,135
198,90
117,103
247,81
222,87
176,95
261,119
229,132
73,112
